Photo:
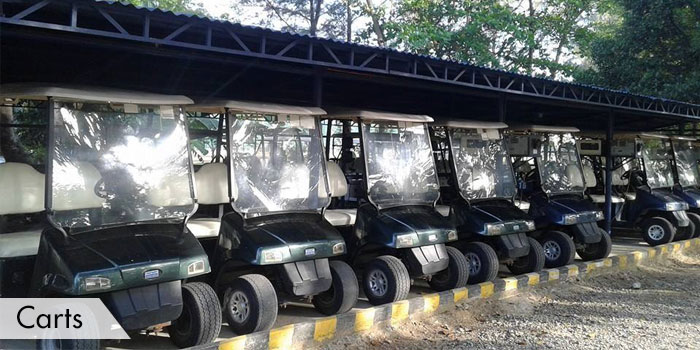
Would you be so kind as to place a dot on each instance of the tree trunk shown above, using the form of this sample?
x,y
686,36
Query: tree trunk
x,y
348,21
376,25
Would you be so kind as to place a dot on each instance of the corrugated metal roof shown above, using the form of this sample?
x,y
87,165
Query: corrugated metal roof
x,y
384,49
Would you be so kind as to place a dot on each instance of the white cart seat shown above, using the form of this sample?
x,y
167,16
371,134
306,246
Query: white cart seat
x,y
523,205
16,244
204,227
600,198
341,217
444,210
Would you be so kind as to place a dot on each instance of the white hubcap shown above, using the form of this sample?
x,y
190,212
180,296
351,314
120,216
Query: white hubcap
x,y
656,232
240,307
378,283
552,250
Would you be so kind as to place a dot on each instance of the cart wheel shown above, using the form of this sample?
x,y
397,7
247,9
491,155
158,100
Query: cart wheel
x,y
456,275
250,304
695,219
559,249
70,344
483,262
342,296
385,280
685,232
200,321
598,250
532,262
657,230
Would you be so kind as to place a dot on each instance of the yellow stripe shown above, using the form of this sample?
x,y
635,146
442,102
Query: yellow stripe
x,y
281,338
590,267
652,253
664,249
460,293
686,244
533,279
431,303
607,262
623,261
364,320
573,271
325,328
237,343
638,257
399,312
511,284
552,275
676,247
486,289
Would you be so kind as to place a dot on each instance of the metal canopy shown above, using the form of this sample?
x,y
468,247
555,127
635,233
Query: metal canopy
x,y
546,128
113,20
473,124
377,115
256,107
88,93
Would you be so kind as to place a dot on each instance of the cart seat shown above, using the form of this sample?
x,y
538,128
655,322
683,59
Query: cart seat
x,y
600,198
523,205
444,210
16,244
630,196
341,217
204,227
21,189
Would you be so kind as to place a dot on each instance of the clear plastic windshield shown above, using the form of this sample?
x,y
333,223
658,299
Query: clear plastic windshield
x,y
115,164
400,164
686,153
559,164
278,164
656,154
483,166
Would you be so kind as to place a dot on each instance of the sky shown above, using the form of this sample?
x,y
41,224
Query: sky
x,y
217,7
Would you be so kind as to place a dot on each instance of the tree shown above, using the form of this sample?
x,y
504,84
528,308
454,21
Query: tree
x,y
180,6
653,49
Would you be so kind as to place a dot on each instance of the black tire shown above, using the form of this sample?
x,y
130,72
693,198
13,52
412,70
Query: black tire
x,y
455,275
598,250
342,296
532,262
685,232
482,260
70,344
385,280
695,219
200,321
250,304
559,249
657,230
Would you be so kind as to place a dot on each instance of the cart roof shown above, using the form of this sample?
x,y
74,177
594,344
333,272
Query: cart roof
x,y
653,136
546,128
377,115
685,138
88,93
472,124
218,106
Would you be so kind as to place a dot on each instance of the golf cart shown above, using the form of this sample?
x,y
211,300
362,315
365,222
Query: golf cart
x,y
384,185
261,218
686,153
643,176
477,191
565,219
96,188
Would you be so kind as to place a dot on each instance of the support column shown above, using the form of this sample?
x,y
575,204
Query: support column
x,y
608,172
318,88
502,108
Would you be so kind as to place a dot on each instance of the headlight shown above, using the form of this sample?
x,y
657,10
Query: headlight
x,y
495,229
274,255
685,206
599,215
670,206
530,225
451,235
406,240
195,268
338,248
96,283
570,219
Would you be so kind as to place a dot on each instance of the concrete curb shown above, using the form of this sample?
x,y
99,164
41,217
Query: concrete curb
x,y
312,333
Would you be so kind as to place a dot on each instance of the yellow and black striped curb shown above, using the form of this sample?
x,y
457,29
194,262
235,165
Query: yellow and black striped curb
x,y
315,332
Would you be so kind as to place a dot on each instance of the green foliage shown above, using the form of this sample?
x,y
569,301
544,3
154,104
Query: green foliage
x,y
653,48
177,6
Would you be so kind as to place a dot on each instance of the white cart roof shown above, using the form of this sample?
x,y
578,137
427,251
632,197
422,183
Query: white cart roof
x,y
218,106
685,138
546,128
88,93
472,124
377,115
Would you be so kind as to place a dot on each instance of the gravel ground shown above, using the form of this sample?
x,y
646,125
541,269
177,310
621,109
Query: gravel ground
x,y
649,307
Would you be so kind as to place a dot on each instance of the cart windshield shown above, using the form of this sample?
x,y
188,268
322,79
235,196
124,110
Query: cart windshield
x,y
559,164
278,164
686,153
483,166
400,164
656,154
119,164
